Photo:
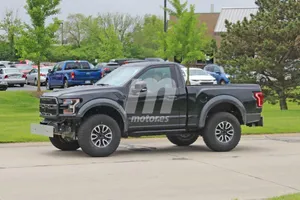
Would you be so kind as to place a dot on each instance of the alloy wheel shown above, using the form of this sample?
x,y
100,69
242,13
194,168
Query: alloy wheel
x,y
101,136
224,132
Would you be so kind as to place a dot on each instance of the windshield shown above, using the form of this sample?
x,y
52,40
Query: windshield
x,y
45,70
222,70
120,76
8,71
25,67
196,72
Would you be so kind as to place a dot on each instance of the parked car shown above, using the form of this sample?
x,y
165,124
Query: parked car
x,y
134,61
3,85
72,73
154,59
12,76
107,67
24,69
218,72
122,61
32,76
123,104
199,77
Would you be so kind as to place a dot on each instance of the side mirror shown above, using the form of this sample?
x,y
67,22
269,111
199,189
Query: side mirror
x,y
139,86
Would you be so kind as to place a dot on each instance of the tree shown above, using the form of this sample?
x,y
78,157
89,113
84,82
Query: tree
x,y
74,29
147,35
10,25
36,39
186,40
266,46
179,8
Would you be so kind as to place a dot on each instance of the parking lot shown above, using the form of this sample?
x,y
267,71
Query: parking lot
x,y
25,88
261,167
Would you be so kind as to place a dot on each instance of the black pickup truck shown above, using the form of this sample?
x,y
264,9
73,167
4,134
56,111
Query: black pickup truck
x,y
144,99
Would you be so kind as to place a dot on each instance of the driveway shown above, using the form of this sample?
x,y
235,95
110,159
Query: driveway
x,y
148,169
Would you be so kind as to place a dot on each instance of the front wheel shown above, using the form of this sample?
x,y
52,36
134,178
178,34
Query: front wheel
x,y
48,87
21,85
99,136
183,139
222,132
63,144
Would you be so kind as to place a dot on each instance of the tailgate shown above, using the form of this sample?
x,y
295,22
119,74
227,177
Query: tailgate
x,y
87,74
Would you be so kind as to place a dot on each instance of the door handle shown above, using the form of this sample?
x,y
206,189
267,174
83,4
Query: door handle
x,y
172,97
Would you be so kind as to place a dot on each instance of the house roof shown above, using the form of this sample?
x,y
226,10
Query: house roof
x,y
233,15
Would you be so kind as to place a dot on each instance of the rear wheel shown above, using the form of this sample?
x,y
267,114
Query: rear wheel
x,y
99,136
222,82
183,139
21,85
63,144
222,132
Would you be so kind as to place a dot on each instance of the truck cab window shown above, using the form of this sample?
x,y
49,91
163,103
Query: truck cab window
x,y
158,78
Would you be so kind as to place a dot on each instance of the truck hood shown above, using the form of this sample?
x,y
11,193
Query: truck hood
x,y
78,91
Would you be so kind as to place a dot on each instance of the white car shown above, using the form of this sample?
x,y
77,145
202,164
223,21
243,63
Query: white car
x,y
32,76
199,77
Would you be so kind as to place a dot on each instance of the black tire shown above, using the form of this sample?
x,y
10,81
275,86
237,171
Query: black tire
x,y
48,87
183,140
64,145
209,135
222,82
85,136
21,85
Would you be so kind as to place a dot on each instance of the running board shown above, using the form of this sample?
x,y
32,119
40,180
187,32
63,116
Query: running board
x,y
160,132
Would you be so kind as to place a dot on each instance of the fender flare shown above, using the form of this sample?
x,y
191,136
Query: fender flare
x,y
104,102
218,100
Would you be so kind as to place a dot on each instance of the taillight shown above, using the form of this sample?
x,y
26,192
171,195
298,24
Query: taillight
x,y
5,76
106,69
42,74
73,75
24,76
259,96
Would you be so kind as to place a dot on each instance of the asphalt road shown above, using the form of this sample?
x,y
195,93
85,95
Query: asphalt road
x,y
151,169
25,88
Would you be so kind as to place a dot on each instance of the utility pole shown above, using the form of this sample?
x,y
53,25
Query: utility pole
x,y
165,15
165,22
62,33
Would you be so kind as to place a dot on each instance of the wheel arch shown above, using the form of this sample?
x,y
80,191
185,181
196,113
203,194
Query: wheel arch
x,y
223,103
108,107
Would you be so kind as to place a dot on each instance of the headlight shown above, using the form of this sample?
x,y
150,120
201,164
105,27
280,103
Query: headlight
x,y
69,105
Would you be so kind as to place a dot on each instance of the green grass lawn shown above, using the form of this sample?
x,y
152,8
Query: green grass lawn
x,y
19,109
287,197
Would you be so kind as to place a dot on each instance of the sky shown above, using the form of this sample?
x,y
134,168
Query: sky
x,y
134,7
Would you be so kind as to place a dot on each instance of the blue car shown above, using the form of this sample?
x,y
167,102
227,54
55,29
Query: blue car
x,y
72,73
218,73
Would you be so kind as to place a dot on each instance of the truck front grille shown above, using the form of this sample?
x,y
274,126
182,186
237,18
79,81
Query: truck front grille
x,y
48,107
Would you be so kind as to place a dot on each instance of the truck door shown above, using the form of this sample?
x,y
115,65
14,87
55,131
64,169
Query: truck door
x,y
156,106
